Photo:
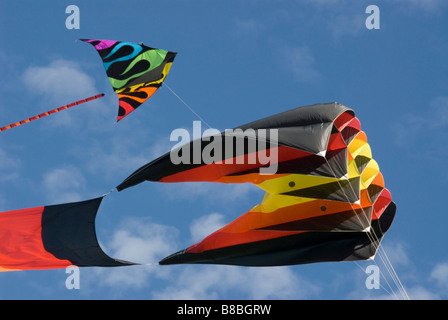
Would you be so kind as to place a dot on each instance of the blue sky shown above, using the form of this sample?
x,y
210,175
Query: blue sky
x,y
237,61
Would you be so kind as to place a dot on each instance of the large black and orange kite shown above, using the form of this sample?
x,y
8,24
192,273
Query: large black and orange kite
x,y
325,202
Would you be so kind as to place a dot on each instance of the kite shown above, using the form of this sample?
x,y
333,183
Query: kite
x,y
325,201
50,237
51,112
135,71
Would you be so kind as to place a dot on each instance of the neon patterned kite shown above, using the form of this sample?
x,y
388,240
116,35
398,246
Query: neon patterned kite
x,y
135,71
51,237
326,201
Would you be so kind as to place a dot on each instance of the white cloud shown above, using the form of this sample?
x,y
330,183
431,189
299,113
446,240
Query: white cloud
x,y
429,123
347,24
440,275
340,17
144,241
141,241
160,146
325,2
278,283
62,82
118,153
422,293
121,152
203,226
425,5
63,184
301,62
249,27
9,166
439,109
395,253
401,280
212,282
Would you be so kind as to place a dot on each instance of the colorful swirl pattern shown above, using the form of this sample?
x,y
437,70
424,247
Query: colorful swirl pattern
x,y
135,71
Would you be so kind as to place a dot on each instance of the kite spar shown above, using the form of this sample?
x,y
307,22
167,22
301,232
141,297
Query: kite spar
x,y
16,124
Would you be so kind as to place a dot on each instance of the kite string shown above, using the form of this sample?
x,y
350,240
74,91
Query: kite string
x,y
392,293
258,138
186,104
382,251
373,237
353,209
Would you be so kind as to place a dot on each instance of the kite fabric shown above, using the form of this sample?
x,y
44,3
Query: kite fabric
x,y
52,112
50,237
325,202
135,71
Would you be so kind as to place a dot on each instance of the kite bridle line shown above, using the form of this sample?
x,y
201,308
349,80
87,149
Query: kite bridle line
x,y
371,235
373,239
186,104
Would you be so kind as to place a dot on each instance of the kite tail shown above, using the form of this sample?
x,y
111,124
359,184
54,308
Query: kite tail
x,y
16,124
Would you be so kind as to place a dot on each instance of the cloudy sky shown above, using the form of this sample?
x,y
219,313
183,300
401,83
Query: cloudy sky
x,y
237,61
